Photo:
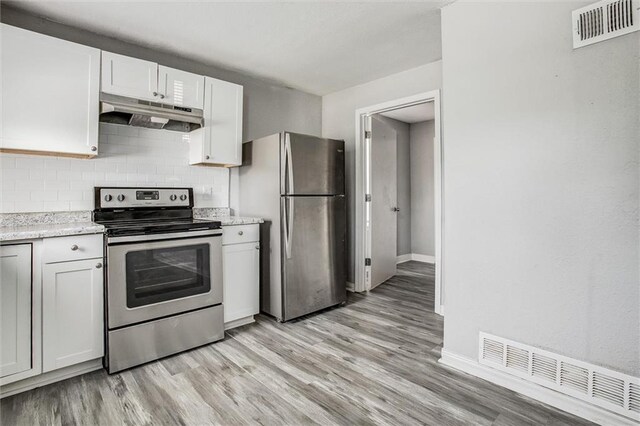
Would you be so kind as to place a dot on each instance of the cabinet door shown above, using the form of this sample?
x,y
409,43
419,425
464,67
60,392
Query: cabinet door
x,y
15,302
180,88
50,91
241,269
72,320
222,123
131,77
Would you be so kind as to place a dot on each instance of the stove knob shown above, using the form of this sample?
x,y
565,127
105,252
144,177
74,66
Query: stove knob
x,y
108,197
121,197
183,197
173,197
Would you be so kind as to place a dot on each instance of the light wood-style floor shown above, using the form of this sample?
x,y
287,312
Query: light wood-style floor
x,y
373,361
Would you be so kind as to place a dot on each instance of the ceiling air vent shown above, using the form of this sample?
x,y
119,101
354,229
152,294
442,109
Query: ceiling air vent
x,y
612,390
604,20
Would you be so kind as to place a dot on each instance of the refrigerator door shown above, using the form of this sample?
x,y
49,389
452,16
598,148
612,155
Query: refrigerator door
x,y
310,165
313,234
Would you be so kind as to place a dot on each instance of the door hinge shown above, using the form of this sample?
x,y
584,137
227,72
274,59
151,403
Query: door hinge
x,y
367,134
367,261
367,198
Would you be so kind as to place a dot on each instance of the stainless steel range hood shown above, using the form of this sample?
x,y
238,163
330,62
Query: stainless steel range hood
x,y
134,112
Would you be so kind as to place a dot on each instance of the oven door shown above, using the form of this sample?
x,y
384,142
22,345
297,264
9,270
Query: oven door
x,y
171,274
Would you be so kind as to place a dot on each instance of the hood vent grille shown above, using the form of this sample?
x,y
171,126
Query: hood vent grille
x,y
597,385
135,112
604,20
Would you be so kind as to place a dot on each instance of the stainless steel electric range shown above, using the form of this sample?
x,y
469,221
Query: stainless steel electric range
x,y
163,274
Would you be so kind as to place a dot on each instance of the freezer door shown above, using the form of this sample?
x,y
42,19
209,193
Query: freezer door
x,y
310,165
313,254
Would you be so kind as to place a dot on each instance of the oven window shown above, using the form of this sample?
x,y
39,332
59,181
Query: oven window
x,y
157,275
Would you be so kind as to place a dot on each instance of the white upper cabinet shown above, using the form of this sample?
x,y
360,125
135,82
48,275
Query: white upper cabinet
x,y
219,142
180,88
50,90
138,79
131,77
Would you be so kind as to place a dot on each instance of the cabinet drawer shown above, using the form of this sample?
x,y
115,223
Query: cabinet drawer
x,y
75,247
236,234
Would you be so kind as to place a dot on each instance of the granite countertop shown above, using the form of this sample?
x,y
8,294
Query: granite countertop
x,y
45,230
28,226
223,215
236,220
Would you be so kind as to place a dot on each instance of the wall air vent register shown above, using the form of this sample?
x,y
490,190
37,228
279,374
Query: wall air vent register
x,y
597,385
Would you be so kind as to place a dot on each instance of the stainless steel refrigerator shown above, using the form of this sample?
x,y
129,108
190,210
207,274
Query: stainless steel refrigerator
x,y
296,183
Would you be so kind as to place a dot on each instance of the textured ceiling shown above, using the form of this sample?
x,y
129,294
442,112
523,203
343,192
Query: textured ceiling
x,y
317,47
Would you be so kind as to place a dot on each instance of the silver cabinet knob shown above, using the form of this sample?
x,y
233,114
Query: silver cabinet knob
x,y
108,197
183,197
173,197
94,148
257,247
240,233
98,265
161,96
206,157
396,209
121,197
155,93
74,247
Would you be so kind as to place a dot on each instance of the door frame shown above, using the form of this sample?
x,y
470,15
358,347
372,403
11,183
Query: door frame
x,y
363,179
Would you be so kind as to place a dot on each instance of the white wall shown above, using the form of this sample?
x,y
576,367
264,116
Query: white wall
x,y
129,156
422,188
541,183
338,120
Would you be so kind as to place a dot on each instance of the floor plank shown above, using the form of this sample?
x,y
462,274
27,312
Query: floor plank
x,y
373,361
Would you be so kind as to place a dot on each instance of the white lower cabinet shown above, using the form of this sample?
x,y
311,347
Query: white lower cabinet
x,y
15,305
72,313
51,310
241,274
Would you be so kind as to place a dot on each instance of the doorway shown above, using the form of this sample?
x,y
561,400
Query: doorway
x,y
392,226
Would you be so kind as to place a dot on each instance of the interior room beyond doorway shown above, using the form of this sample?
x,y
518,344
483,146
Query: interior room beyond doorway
x,y
403,189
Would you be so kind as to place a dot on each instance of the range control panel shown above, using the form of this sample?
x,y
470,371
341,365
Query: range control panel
x,y
123,198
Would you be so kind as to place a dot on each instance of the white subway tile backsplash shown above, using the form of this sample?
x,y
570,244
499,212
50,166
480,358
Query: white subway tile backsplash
x,y
128,157
55,206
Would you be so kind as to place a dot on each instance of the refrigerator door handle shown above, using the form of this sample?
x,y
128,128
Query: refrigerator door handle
x,y
287,147
290,224
287,226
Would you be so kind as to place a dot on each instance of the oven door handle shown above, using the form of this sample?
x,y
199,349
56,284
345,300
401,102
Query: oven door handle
x,y
165,236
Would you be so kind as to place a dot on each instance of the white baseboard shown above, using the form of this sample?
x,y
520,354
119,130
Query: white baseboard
x,y
555,399
417,257
50,377
239,322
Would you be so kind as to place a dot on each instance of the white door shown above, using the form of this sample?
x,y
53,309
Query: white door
x,y
241,271
131,77
222,123
180,88
15,302
383,202
50,91
72,313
